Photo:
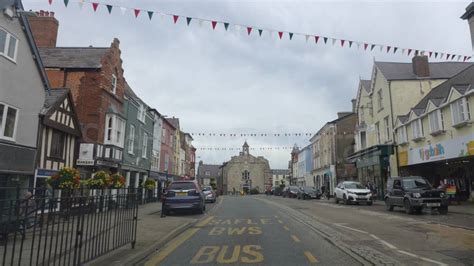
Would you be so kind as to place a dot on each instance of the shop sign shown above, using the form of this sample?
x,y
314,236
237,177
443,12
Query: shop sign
x,y
84,162
449,149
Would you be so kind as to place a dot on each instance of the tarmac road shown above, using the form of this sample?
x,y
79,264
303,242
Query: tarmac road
x,y
247,230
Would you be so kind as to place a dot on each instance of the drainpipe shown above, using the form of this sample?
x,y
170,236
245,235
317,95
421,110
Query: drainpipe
x,y
393,125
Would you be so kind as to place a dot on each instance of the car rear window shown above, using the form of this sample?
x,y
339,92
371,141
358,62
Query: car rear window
x,y
182,186
207,188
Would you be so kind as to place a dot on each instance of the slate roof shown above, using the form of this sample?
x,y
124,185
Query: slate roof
x,y
404,71
461,81
174,121
403,118
73,57
366,84
212,168
54,96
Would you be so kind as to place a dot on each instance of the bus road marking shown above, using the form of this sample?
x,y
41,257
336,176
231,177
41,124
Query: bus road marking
x,y
310,257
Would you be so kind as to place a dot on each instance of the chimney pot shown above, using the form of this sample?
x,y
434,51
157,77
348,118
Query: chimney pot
x,y
421,67
51,14
41,13
46,13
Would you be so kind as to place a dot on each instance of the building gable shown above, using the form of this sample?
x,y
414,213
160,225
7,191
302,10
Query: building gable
x,y
62,116
453,95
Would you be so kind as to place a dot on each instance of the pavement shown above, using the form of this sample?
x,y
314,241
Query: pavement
x,y
152,233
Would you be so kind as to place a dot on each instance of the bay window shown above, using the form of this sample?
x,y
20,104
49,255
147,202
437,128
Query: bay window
x,y
417,129
115,126
460,111
145,142
436,121
131,139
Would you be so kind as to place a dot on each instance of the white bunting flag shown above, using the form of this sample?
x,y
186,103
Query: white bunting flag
x,y
80,3
123,10
200,22
333,41
306,37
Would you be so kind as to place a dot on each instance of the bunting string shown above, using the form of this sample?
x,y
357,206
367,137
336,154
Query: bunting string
x,y
290,35
273,148
264,134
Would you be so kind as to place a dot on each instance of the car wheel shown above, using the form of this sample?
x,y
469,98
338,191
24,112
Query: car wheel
x,y
305,197
388,206
344,199
336,199
419,210
443,210
408,207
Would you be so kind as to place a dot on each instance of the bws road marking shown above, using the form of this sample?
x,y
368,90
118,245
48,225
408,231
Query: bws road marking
x,y
252,230
228,255
261,221
204,222
295,238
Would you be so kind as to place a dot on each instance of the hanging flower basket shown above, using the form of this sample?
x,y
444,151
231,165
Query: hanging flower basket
x,y
66,178
117,181
150,184
101,180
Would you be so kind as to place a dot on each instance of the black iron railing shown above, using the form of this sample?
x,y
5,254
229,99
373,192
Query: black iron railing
x,y
64,227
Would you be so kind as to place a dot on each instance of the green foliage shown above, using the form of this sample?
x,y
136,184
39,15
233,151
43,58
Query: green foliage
x,y
213,183
254,191
282,185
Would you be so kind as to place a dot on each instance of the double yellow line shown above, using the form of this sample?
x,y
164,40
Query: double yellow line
x,y
175,243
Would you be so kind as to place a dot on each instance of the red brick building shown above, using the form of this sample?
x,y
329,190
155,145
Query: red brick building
x,y
95,77
167,151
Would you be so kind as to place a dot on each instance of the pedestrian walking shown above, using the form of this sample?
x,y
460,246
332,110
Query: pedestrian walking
x,y
163,200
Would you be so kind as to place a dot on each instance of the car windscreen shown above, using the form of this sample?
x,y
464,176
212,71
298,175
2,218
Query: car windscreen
x,y
182,186
207,188
292,188
353,185
309,189
413,183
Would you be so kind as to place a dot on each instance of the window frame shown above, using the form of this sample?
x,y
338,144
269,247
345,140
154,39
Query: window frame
x,y
4,119
4,53
141,114
436,117
144,145
377,131
386,121
131,139
57,147
114,84
402,135
380,100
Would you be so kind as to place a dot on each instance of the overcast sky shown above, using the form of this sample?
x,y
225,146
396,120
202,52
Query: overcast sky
x,y
228,82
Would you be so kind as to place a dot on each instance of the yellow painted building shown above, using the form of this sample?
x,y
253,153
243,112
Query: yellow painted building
x,y
436,137
392,91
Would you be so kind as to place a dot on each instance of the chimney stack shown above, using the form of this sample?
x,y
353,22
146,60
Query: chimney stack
x,y
421,66
341,114
45,28
469,16
353,101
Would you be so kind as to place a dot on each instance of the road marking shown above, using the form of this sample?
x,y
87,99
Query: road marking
x,y
280,221
276,216
350,228
295,238
205,221
310,257
172,246
286,228
422,258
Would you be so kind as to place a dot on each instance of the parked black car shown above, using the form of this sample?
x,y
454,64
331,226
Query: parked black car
x,y
414,193
277,191
309,193
291,192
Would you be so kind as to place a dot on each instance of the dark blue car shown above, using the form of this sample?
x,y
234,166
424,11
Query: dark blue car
x,y
184,195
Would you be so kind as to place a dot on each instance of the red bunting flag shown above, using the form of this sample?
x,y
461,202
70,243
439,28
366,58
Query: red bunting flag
x,y
430,53
316,39
50,2
137,12
447,56
94,6
175,18
465,58
280,33
342,43
452,57
249,30
213,23
365,46
409,51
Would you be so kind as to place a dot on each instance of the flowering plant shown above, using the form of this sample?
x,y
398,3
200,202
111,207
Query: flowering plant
x,y
118,181
66,178
100,180
150,184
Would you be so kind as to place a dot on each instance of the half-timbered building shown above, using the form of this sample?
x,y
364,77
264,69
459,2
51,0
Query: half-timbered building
x,y
58,135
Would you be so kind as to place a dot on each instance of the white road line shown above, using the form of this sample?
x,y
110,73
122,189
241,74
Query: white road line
x,y
422,258
350,228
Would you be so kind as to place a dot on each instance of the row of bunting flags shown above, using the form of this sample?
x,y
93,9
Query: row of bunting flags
x,y
263,134
366,46
276,148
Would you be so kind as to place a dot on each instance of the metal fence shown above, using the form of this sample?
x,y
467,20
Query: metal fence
x,y
64,227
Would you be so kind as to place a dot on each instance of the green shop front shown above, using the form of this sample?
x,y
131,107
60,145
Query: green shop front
x,y
373,165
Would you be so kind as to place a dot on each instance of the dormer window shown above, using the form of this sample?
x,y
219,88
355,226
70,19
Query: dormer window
x,y
114,84
417,129
141,113
460,112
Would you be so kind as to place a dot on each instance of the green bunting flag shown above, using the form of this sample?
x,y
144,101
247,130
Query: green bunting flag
x,y
226,25
150,14
109,8
260,32
372,47
188,20
66,2
291,35
325,40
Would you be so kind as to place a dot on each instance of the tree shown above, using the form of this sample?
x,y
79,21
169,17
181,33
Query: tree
x,y
213,183
282,185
